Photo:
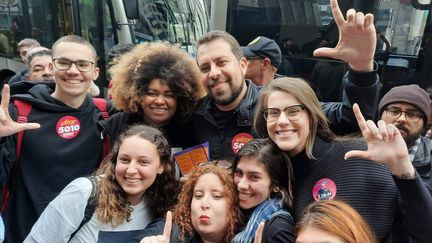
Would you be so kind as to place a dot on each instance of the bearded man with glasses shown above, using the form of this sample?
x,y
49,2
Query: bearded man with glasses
x,y
408,108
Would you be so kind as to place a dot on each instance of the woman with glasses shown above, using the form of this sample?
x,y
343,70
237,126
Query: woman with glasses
x,y
263,177
327,167
155,84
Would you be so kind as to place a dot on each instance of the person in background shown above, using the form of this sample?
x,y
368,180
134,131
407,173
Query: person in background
x,y
263,176
40,65
5,45
135,185
289,47
264,58
40,70
113,56
155,84
332,221
23,47
206,212
408,108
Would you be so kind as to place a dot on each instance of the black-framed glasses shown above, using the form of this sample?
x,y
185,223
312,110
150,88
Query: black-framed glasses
x,y
64,64
395,113
254,58
293,113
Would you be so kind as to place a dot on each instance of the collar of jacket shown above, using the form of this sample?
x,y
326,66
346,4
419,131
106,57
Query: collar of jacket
x,y
245,111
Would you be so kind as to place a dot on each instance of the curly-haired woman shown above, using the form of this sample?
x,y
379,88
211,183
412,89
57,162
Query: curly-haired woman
x,y
155,84
206,212
134,186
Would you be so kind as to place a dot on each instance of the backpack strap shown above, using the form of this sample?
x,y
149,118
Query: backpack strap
x,y
23,109
91,204
101,104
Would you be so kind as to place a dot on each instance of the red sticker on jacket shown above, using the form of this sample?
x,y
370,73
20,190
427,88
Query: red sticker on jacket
x,y
239,141
68,127
324,189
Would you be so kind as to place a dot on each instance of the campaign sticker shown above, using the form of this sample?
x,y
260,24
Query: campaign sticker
x,y
68,127
324,189
239,141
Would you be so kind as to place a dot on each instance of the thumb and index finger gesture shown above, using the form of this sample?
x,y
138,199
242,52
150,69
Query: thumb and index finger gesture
x,y
165,237
357,39
7,125
385,145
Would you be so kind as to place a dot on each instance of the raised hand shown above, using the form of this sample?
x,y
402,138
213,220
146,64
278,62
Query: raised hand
x,y
258,233
385,145
357,39
165,237
7,125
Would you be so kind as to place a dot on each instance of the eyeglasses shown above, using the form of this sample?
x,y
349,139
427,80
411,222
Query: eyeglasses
x,y
293,113
63,64
252,58
395,113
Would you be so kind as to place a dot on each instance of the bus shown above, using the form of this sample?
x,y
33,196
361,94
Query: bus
x,y
103,22
404,48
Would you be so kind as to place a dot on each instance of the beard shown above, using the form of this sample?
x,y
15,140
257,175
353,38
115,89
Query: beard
x,y
222,99
409,138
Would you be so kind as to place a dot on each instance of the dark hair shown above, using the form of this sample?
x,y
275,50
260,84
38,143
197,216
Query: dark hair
x,y
149,61
114,55
113,206
277,164
218,34
119,49
74,39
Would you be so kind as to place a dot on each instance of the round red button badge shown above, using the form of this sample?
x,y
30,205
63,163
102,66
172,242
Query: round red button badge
x,y
324,189
239,141
68,127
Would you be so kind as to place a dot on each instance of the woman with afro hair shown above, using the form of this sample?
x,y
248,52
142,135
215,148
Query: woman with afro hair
x,y
155,84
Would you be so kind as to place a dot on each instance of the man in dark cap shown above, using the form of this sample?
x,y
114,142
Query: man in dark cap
x,y
408,108
264,58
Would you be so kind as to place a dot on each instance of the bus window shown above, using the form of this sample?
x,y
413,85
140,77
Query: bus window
x,y
180,22
91,26
15,26
402,25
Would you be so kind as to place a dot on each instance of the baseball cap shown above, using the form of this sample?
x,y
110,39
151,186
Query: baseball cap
x,y
264,47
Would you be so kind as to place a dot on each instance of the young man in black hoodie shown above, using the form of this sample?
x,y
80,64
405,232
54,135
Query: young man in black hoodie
x,y
61,141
